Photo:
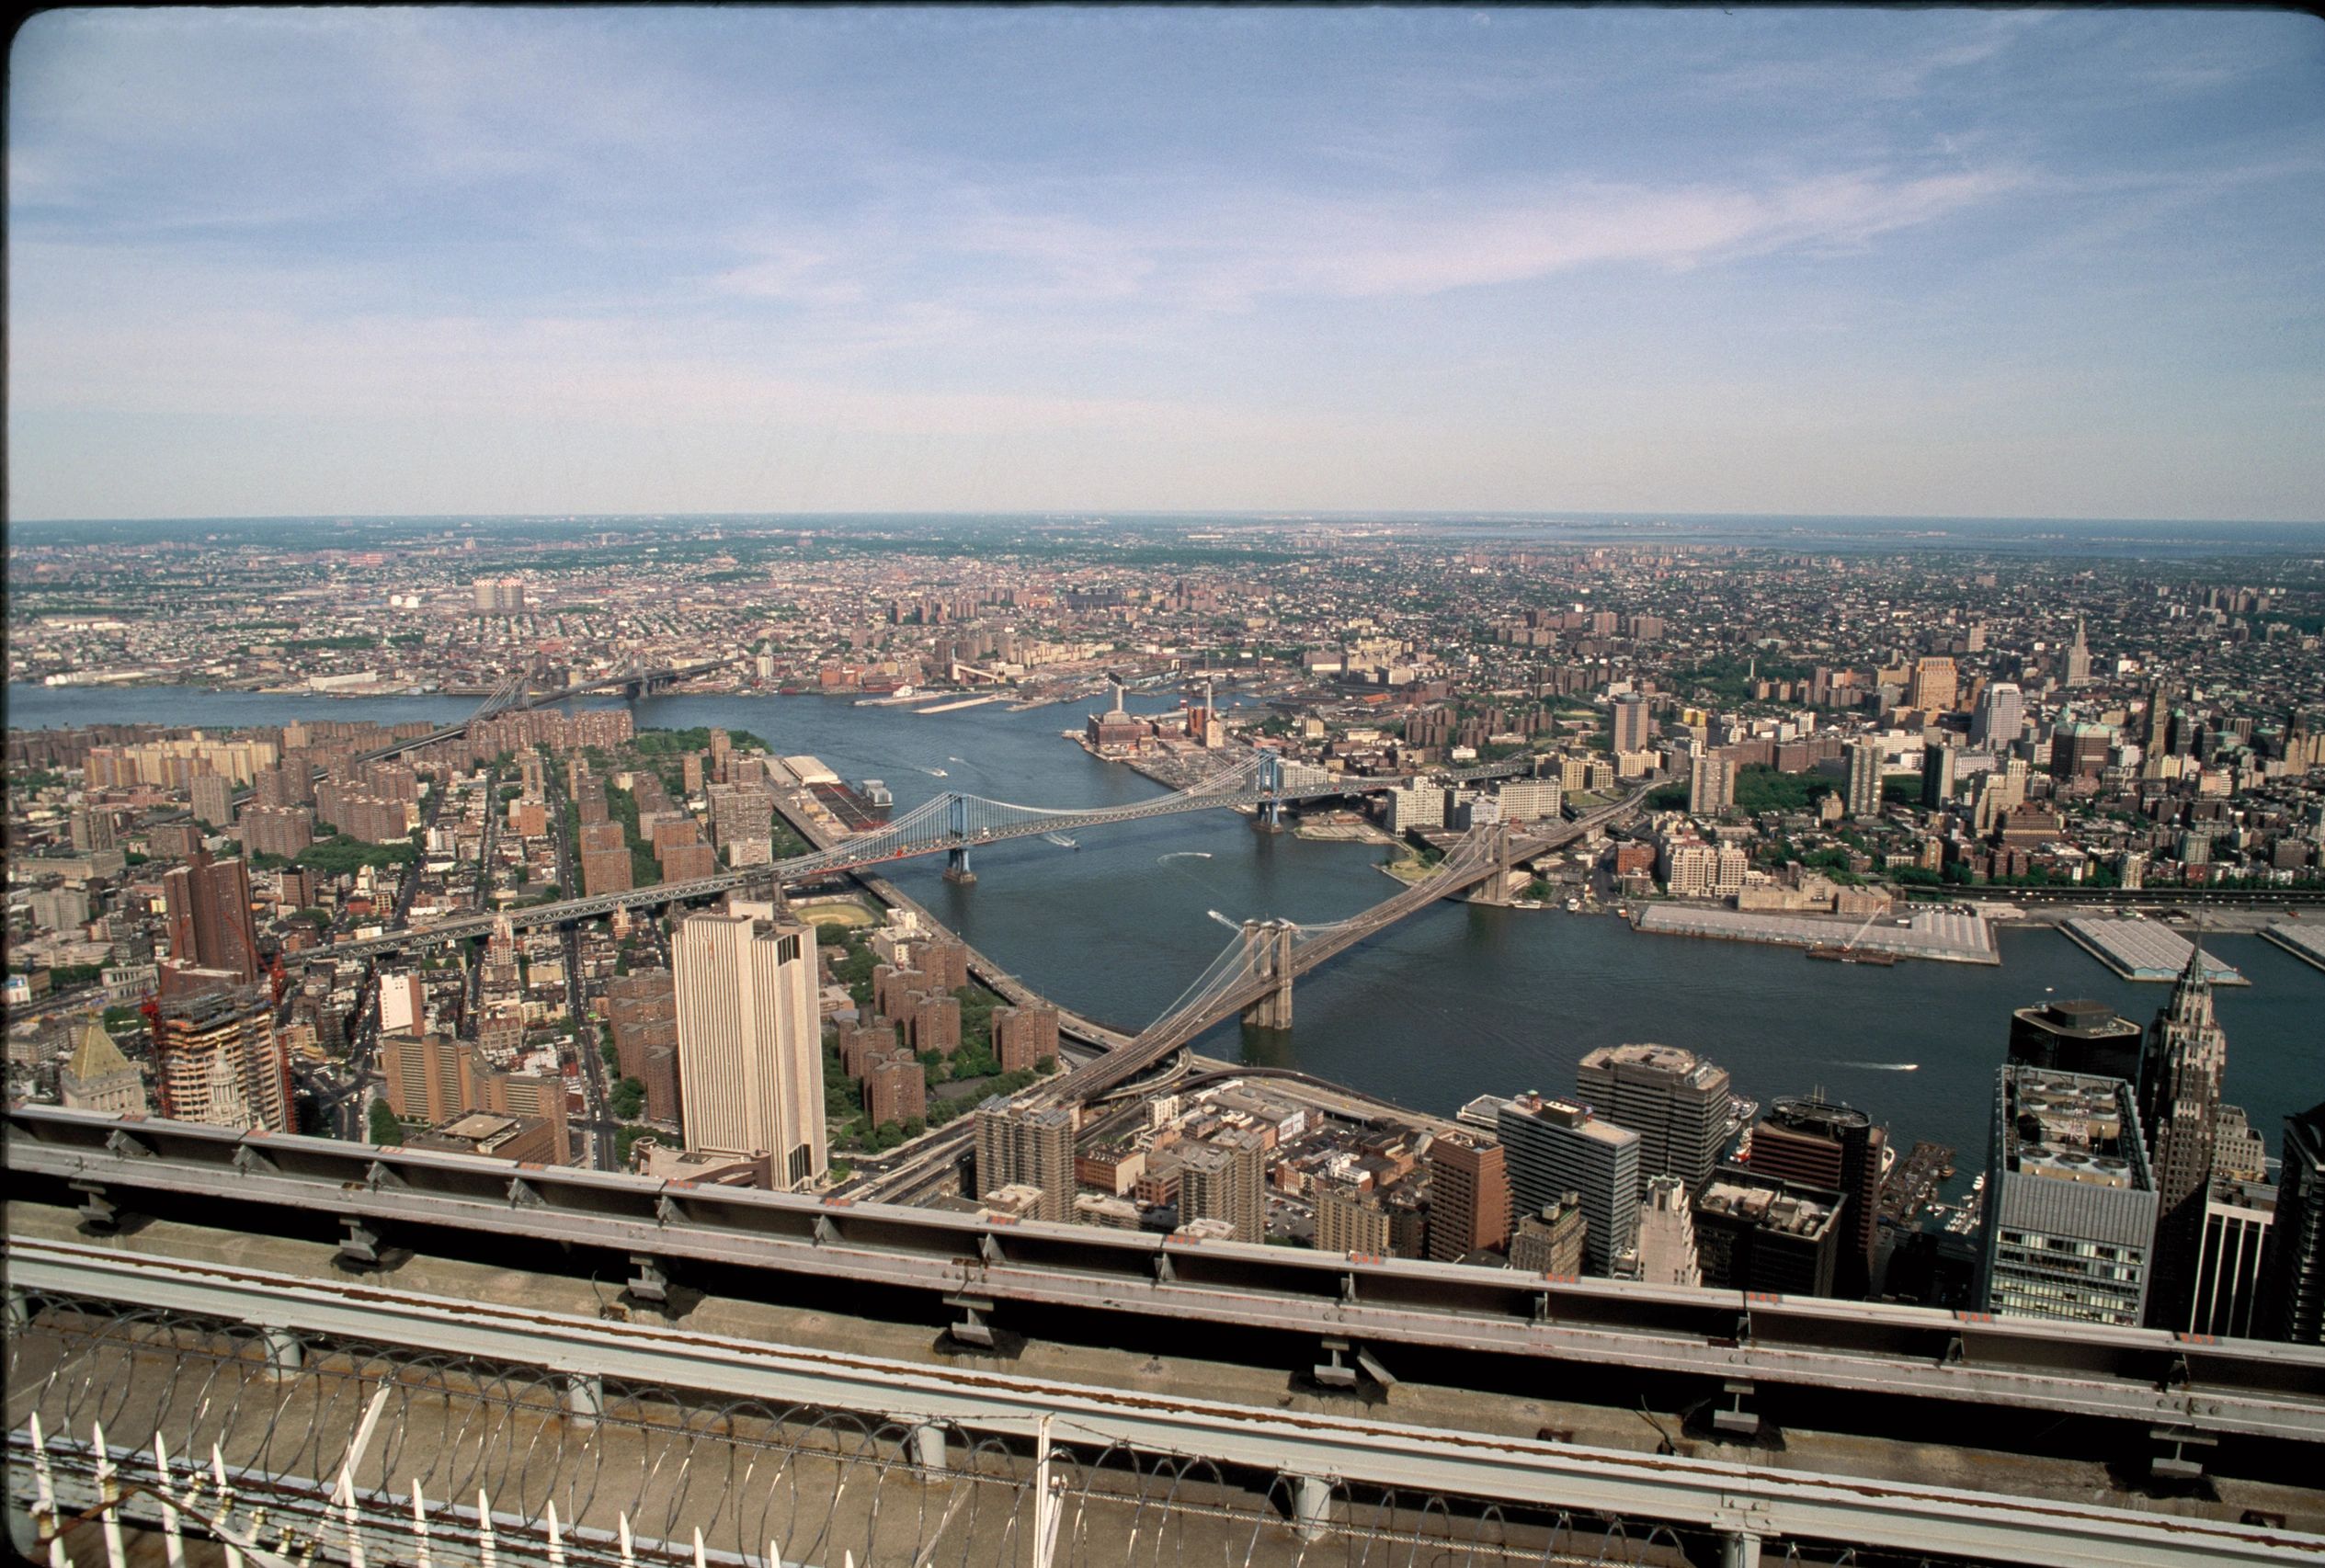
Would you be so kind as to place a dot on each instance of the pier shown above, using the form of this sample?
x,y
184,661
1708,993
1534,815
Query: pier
x,y
2305,940
1935,934
2144,949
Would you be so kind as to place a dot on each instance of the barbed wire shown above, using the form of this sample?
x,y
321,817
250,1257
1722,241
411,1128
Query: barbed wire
x,y
282,1412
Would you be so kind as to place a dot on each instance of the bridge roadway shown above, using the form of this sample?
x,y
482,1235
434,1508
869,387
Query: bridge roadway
x,y
1169,1034
917,1169
1841,1379
1004,984
858,851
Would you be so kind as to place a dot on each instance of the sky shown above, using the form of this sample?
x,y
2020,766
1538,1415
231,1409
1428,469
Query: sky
x,y
1915,263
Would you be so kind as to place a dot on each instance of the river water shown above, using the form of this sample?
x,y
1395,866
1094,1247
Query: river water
x,y
1453,1002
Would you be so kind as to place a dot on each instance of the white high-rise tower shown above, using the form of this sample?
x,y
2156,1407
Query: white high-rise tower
x,y
750,1041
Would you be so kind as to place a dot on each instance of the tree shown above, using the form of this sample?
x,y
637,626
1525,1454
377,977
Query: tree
x,y
627,1100
386,1128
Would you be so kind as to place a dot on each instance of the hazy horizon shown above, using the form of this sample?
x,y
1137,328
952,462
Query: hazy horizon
x,y
1917,265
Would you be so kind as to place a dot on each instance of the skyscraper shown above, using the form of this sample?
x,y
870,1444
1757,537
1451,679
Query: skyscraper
x,y
1556,1147
210,923
2231,1246
1933,686
1468,1197
2076,1037
2293,1275
1710,785
1937,776
1225,1179
1865,778
213,795
1350,1220
1022,1146
217,1057
92,828
1630,723
1667,1235
1755,1232
2078,672
1676,1102
1819,1144
2156,735
750,1041
2178,1111
2080,751
1551,1241
2001,717
2070,1209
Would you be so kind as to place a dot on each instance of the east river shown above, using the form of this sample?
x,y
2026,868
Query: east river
x,y
1453,1002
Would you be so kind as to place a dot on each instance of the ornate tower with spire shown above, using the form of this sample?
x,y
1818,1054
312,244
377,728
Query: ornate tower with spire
x,y
2180,1077
2079,657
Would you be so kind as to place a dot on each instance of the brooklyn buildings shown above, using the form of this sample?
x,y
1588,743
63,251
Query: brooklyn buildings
x,y
750,1039
1864,780
2001,717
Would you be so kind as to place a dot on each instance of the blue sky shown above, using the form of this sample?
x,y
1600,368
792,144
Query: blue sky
x,y
1941,263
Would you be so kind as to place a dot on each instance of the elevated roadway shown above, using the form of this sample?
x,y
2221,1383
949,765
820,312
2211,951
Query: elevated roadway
x,y
1870,1402
106,1168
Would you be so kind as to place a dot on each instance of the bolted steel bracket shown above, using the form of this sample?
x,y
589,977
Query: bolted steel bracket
x,y
97,1211
972,1329
649,1283
359,1244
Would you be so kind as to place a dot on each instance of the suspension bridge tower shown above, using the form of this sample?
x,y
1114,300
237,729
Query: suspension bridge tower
x,y
1268,952
1270,815
1497,888
956,859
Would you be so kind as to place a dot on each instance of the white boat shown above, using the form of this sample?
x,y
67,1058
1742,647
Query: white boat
x,y
1574,906
1061,841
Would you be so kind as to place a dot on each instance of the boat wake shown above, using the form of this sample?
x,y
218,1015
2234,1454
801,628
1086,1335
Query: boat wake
x,y
1885,1066
1230,925
933,772
1182,854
